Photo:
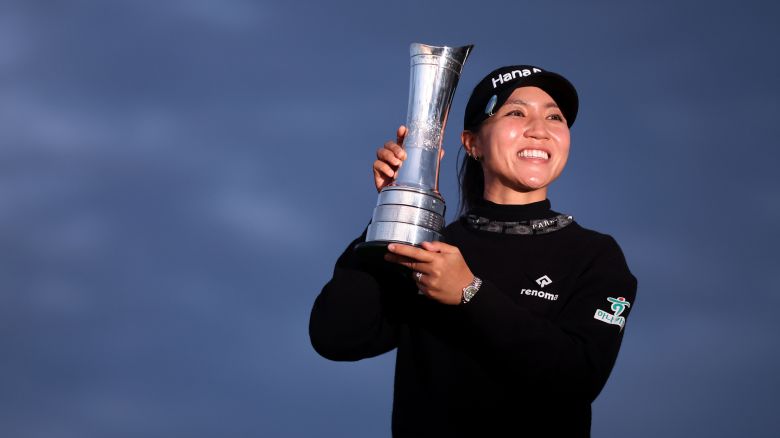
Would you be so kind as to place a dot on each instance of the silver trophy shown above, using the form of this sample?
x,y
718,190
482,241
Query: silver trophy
x,y
411,210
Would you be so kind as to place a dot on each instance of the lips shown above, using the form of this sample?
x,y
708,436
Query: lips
x,y
534,154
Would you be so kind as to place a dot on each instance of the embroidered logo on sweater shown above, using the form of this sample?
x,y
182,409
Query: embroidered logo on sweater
x,y
543,281
539,293
619,304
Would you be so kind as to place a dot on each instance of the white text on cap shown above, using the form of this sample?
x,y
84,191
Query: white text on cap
x,y
514,74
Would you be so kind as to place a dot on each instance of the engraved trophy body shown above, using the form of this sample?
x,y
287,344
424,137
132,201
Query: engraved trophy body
x,y
411,210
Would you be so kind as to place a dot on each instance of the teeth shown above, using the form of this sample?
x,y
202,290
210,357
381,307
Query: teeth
x,y
534,153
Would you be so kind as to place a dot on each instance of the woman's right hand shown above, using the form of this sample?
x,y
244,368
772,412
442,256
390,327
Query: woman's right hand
x,y
389,159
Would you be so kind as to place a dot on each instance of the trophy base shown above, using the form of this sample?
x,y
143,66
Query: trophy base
x,y
405,215
372,250
377,248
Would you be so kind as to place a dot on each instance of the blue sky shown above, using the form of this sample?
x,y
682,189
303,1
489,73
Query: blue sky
x,y
178,178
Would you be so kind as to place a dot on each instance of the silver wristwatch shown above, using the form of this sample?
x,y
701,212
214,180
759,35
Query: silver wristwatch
x,y
471,290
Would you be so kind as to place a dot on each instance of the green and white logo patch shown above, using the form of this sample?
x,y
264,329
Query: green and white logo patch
x,y
619,304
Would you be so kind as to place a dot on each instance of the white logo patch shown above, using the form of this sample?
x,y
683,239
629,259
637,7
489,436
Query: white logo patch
x,y
543,281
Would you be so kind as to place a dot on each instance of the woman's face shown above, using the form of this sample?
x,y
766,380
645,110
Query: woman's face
x,y
524,146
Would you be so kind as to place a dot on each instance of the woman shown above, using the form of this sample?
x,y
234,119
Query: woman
x,y
522,310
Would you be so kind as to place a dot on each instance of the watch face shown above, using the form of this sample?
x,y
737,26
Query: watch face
x,y
469,292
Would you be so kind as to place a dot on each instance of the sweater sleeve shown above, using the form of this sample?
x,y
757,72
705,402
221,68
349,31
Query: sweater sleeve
x,y
572,353
356,314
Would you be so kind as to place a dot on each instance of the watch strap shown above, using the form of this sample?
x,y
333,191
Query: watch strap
x,y
471,290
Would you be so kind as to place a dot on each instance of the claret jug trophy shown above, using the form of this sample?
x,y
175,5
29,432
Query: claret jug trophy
x,y
411,210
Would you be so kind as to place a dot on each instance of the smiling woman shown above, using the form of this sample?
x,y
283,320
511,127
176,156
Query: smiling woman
x,y
523,147
525,108
512,326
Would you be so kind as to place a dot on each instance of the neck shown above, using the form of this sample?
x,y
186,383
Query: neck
x,y
512,212
513,197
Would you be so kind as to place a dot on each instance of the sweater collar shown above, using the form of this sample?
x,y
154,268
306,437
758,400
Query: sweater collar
x,y
512,212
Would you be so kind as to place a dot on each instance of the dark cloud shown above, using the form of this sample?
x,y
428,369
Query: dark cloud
x,y
179,177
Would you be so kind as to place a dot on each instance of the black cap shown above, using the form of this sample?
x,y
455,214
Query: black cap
x,y
492,91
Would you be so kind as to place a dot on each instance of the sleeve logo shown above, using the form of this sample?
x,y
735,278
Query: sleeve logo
x,y
619,304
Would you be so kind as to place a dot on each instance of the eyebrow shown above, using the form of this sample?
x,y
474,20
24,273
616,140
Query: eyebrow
x,y
522,102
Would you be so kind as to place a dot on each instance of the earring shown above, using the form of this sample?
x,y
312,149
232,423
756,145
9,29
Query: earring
x,y
472,155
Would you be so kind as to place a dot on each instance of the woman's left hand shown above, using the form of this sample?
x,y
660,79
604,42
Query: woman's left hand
x,y
444,271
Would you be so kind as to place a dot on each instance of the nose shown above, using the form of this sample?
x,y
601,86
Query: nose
x,y
536,129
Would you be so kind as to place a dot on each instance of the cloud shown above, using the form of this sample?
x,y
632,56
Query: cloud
x,y
263,218
15,45
224,15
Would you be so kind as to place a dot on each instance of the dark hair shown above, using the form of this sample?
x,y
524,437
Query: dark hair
x,y
472,183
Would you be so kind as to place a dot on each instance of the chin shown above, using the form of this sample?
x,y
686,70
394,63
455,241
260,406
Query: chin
x,y
534,183
527,188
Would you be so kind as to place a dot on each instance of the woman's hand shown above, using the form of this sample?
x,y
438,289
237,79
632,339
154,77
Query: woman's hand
x,y
444,271
389,159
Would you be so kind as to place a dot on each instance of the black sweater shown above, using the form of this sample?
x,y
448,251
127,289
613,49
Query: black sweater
x,y
523,357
